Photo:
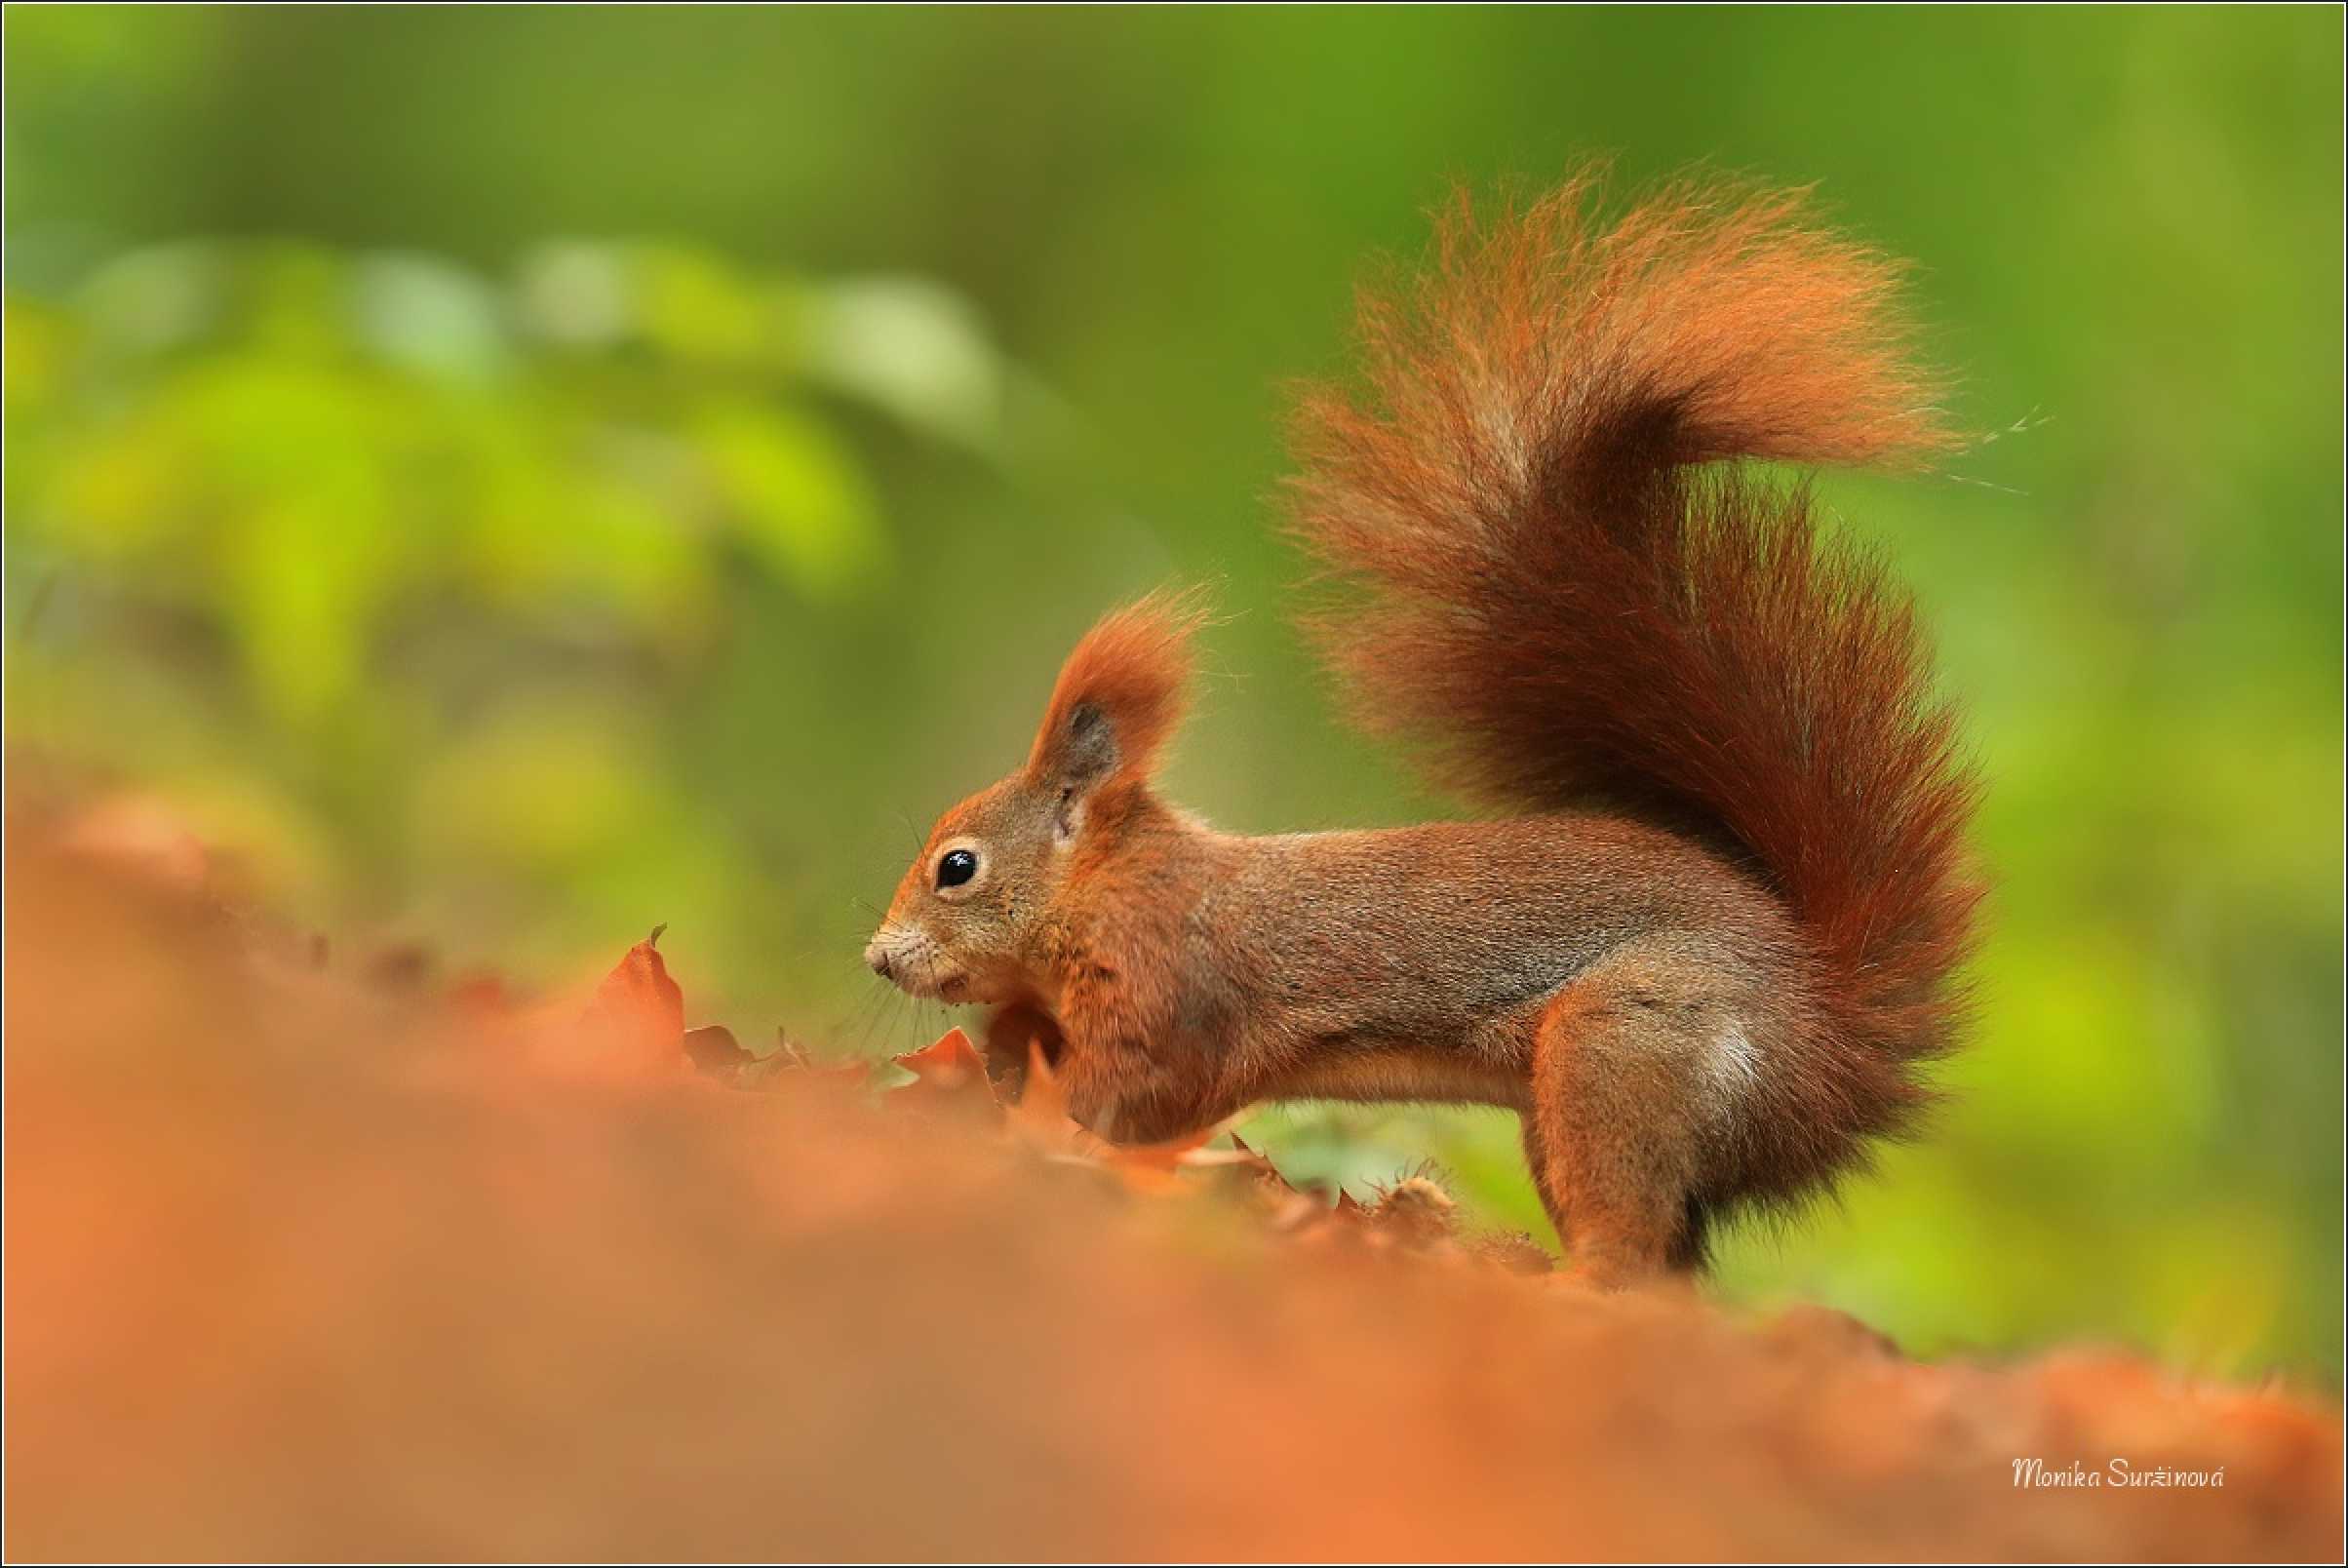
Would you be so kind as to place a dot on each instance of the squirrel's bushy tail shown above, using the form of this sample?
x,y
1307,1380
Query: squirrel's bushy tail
x,y
1576,593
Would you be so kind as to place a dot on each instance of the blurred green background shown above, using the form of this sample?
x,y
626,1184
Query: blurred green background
x,y
525,474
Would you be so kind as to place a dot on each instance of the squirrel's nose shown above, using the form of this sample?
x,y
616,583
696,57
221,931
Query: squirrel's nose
x,y
878,956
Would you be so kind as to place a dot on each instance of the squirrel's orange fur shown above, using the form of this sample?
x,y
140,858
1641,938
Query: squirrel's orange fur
x,y
1704,952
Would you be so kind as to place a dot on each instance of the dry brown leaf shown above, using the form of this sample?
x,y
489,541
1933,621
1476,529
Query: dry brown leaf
x,y
946,1063
948,1074
634,1025
713,1048
1038,1115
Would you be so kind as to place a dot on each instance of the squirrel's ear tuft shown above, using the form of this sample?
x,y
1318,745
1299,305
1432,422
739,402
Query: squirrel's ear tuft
x,y
1119,695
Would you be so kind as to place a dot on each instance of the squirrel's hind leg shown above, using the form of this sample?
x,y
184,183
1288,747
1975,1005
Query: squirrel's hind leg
x,y
1625,1102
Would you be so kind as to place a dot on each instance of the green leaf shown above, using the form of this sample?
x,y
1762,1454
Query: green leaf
x,y
791,492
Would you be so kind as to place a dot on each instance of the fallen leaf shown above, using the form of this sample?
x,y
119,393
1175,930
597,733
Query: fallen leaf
x,y
481,998
635,1022
714,1049
1039,1115
945,1062
946,1071
789,1063
146,835
400,966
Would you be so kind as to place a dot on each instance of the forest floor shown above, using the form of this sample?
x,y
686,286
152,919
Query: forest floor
x,y
313,1264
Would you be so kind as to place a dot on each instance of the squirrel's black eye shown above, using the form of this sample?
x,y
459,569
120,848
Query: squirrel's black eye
x,y
956,867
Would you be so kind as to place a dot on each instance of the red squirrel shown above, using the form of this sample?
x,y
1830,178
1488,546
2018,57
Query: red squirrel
x,y
1713,929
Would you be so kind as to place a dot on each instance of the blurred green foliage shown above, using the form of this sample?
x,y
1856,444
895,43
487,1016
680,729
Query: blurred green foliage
x,y
529,473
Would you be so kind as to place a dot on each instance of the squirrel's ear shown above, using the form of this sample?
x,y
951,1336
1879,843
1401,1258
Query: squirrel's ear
x,y
1119,697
